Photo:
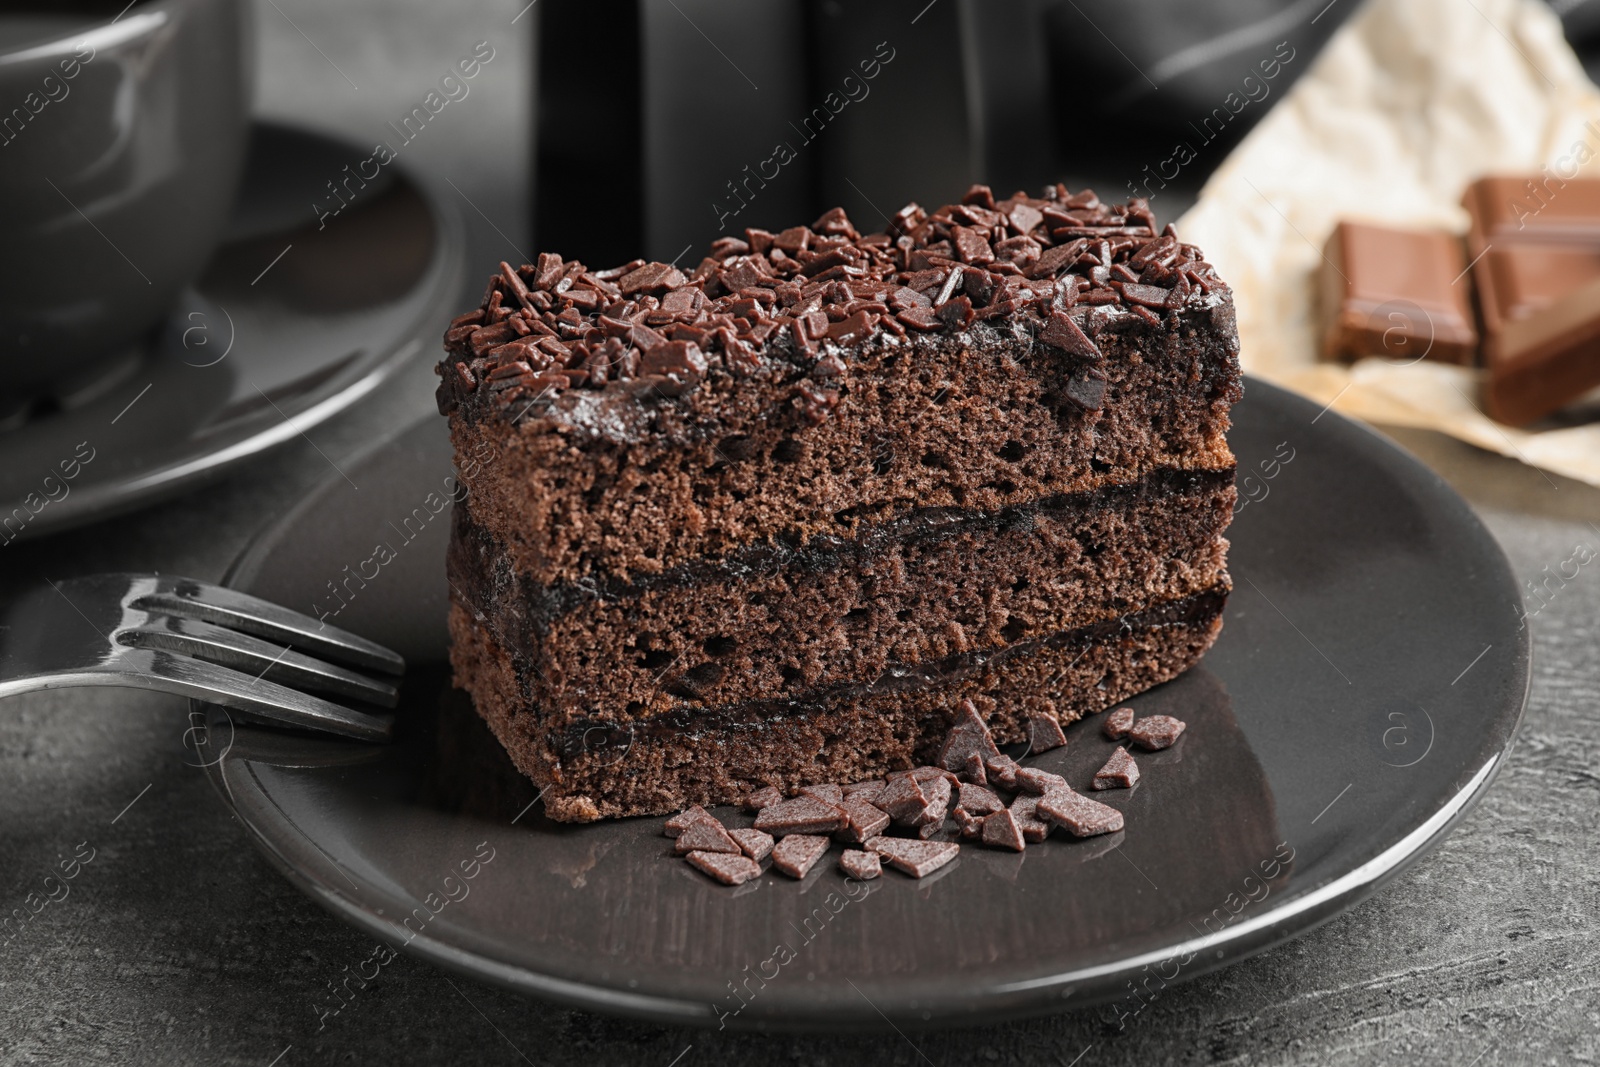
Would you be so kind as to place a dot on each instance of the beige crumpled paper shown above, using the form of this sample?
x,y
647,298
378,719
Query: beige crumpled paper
x,y
1410,101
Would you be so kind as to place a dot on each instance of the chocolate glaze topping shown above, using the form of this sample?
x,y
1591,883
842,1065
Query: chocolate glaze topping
x,y
1060,266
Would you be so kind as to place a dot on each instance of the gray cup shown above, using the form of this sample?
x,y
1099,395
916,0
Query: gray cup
x,y
121,142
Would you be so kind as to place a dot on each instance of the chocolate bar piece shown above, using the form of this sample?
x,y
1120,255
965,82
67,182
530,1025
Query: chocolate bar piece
x,y
1536,244
1533,209
1398,294
1541,362
1515,281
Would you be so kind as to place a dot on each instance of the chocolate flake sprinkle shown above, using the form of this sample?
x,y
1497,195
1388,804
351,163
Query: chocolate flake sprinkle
x,y
1080,816
802,815
1118,723
681,821
762,797
1155,732
1001,831
1044,733
916,858
753,843
809,294
862,865
729,869
705,834
1120,772
796,854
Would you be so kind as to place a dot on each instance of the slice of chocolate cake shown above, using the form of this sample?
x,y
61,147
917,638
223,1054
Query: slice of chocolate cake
x,y
767,521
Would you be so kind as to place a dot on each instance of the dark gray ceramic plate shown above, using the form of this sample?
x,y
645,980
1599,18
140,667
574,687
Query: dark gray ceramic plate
x,y
1364,691
292,322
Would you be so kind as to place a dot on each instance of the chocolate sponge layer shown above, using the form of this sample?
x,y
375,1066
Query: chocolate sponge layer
x,y
593,768
779,622
616,485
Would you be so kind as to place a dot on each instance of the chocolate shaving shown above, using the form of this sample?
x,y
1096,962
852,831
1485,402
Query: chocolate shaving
x,y
705,834
1155,732
903,800
968,735
1078,815
916,858
684,819
863,820
1044,733
1001,830
1033,780
832,794
1062,332
729,869
753,843
861,865
796,854
803,815
972,770
1025,810
977,799
867,791
1118,723
1119,772
767,794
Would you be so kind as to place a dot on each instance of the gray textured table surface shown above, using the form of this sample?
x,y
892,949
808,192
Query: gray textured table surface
x,y
179,945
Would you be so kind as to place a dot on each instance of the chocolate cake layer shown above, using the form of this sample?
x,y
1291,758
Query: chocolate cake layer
x,y
979,421
593,768
774,622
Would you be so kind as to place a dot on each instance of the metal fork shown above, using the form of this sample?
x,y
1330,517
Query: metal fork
x,y
195,639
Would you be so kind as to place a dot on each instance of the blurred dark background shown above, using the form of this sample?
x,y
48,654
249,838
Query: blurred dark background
x,y
660,121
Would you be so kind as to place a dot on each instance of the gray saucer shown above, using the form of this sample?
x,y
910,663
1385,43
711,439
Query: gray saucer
x,y
1364,692
259,350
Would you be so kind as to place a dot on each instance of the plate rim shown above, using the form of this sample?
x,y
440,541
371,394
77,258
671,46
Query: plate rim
x,y
1051,993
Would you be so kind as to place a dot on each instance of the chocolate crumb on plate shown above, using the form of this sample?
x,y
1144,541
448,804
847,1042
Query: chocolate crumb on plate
x,y
705,834
1155,732
681,821
1025,810
972,770
978,800
802,815
1044,733
754,843
1118,723
1002,831
903,799
865,821
767,794
916,858
828,793
796,854
1032,780
1080,816
1120,772
868,791
729,869
967,735
933,813
863,865
969,824
1002,770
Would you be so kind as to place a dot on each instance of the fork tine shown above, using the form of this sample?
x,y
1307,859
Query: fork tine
x,y
257,658
240,611
258,698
